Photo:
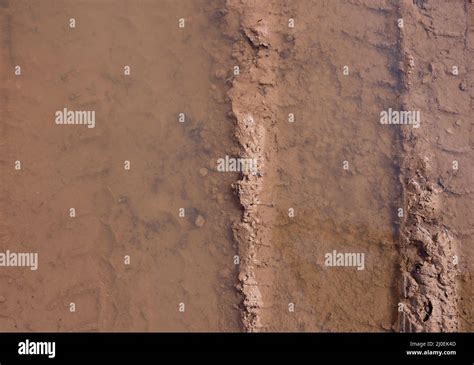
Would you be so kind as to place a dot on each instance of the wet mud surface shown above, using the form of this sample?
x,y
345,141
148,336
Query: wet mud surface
x,y
163,238
119,212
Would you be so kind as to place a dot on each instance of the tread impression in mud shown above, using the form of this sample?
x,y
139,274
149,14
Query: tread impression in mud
x,y
237,165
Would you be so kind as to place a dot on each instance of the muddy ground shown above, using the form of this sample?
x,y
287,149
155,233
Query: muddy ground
x,y
161,238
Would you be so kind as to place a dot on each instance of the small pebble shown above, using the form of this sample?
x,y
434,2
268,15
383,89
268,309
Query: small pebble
x,y
2,299
220,74
199,222
203,171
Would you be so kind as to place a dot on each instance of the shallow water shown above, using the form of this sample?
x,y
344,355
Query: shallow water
x,y
337,171
119,212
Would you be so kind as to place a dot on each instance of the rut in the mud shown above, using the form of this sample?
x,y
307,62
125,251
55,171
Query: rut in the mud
x,y
328,181
335,179
436,172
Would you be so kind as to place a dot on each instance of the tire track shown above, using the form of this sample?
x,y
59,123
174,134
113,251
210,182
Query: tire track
x,y
432,42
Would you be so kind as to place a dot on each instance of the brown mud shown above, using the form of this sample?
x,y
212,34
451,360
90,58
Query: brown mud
x,y
303,167
119,212
436,235
264,81
283,278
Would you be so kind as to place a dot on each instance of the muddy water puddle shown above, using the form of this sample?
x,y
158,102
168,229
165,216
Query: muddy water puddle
x,y
150,244
337,187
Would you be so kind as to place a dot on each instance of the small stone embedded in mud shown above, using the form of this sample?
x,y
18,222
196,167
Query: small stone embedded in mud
x,y
200,221
435,69
2,299
218,14
203,171
220,74
285,54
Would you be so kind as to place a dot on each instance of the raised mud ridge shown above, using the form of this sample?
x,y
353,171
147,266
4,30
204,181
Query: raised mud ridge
x,y
254,119
428,250
428,246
